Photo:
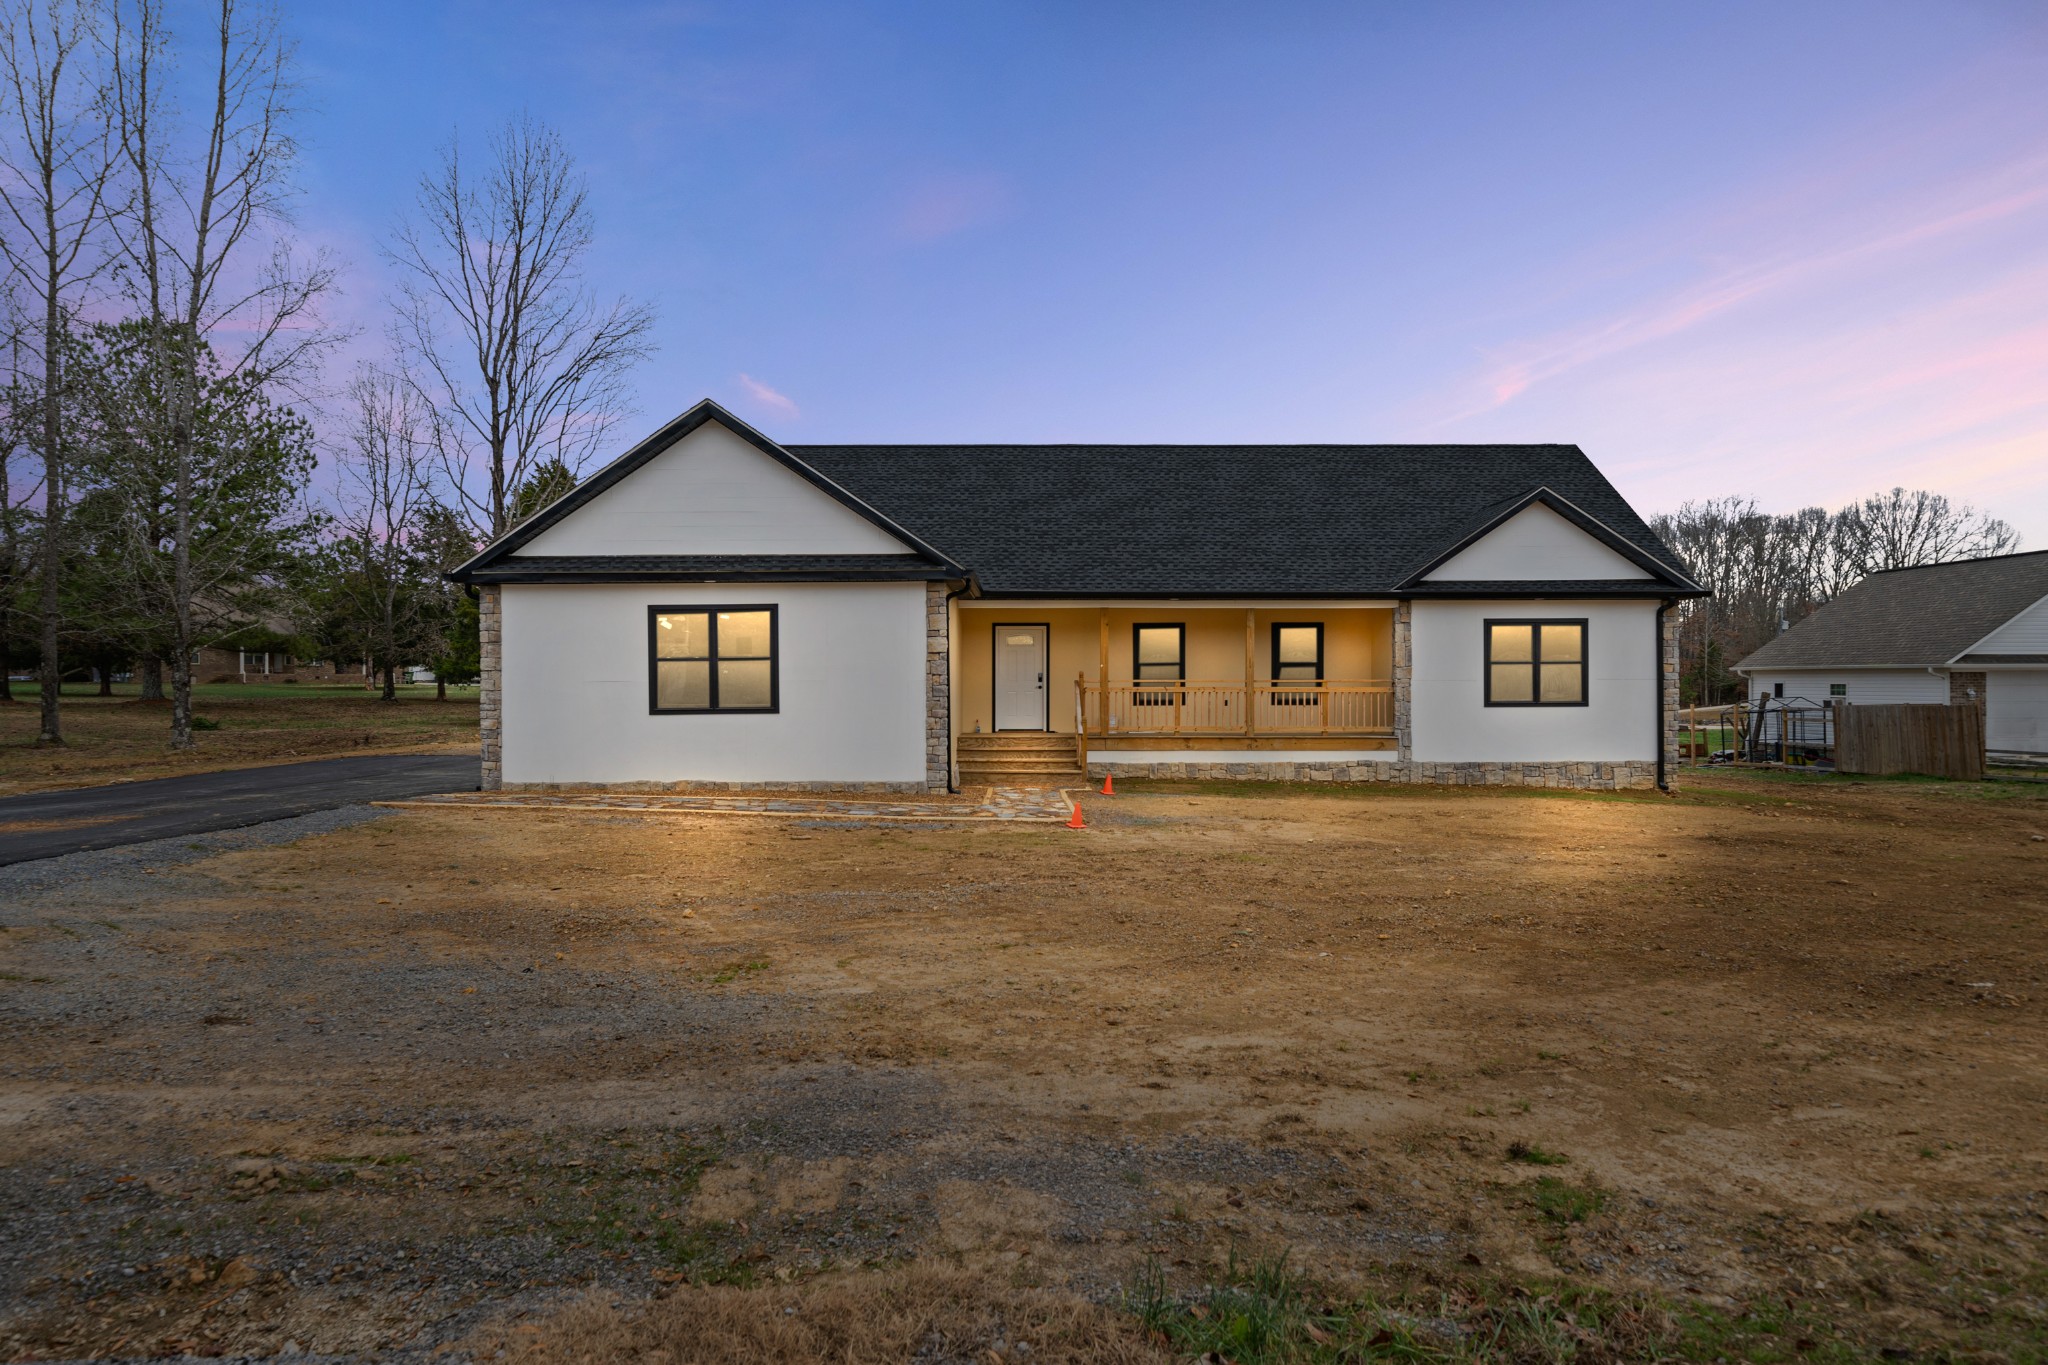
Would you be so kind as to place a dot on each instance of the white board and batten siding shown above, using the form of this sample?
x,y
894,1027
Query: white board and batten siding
x,y
850,656
850,669
1451,722
1534,544
713,493
1449,718
1867,686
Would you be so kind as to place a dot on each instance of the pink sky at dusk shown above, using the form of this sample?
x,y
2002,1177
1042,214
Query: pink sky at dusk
x,y
1797,252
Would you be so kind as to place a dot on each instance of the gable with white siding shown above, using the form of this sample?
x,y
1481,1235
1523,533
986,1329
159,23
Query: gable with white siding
x,y
712,493
2025,634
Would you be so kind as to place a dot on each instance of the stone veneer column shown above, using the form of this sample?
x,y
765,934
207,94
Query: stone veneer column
x,y
938,691
1668,651
491,688
1404,674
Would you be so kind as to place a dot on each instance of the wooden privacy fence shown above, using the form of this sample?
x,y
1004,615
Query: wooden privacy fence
x,y
1936,741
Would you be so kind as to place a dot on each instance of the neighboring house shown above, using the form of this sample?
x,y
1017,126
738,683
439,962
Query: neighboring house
x,y
1970,633
226,663
713,609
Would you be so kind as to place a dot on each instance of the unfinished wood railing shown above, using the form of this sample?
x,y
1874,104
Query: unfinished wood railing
x,y
1218,708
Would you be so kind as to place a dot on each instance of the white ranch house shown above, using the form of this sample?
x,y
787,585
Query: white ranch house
x,y
715,610
1969,633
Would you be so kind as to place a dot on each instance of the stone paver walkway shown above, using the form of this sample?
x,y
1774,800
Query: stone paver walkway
x,y
1024,805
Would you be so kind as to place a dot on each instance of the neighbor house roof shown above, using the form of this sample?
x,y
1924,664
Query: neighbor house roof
x,y
1911,618
1157,520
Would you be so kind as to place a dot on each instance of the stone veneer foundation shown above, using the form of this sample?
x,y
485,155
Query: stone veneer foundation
x,y
1584,776
675,788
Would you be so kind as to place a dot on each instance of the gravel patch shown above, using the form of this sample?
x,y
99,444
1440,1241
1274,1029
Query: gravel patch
x,y
109,868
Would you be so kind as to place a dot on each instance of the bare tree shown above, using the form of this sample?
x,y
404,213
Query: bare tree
x,y
56,163
202,238
520,359
13,509
385,589
1902,530
1767,570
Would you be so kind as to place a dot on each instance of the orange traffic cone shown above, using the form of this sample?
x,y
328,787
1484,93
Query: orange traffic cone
x,y
1075,821
1109,784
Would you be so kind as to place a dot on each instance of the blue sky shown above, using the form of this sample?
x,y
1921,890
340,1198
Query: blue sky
x,y
1793,250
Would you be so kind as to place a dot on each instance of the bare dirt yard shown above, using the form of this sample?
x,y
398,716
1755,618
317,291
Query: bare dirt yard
x,y
119,738
1753,1073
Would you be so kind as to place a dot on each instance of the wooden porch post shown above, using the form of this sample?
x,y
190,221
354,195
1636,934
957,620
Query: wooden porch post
x,y
1251,699
1102,717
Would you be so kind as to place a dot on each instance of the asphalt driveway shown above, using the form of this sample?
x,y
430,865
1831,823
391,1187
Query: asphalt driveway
x,y
47,824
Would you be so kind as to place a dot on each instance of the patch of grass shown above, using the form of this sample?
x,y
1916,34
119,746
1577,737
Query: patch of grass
x,y
1530,1154
1764,1332
205,723
739,969
1263,1312
1563,1202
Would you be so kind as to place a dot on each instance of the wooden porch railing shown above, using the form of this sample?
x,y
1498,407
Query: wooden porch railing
x,y
1216,708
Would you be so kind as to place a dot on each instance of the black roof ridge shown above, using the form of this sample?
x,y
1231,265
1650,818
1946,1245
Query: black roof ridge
x,y
1181,445
1956,563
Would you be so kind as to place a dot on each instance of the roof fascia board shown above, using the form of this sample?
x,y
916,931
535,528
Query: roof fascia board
x,y
1142,602
1746,668
1572,513
704,411
1622,590
517,575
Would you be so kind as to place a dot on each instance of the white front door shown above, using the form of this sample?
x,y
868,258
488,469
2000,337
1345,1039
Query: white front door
x,y
1020,677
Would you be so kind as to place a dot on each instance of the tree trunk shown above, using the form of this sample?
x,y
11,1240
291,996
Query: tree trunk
x,y
106,681
440,688
181,567
390,683
150,672
52,729
6,660
181,699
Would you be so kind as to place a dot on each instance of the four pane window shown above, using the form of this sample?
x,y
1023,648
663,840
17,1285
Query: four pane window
x,y
1159,657
1297,657
1535,663
713,659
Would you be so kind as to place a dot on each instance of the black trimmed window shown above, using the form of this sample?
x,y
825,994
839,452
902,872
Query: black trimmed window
x,y
1838,689
710,659
1159,661
1297,657
1536,663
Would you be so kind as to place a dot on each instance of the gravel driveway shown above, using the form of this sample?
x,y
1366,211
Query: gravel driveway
x,y
49,824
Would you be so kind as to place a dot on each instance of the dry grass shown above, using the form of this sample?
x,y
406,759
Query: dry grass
x,y
1777,1045
915,1313
119,738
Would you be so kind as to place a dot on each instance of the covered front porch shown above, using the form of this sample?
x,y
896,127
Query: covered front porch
x,y
1178,677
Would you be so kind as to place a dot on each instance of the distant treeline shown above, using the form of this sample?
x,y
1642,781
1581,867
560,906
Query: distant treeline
x,y
1768,570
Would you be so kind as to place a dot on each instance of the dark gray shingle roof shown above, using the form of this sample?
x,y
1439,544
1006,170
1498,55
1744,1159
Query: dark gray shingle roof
x,y
1217,520
1912,618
